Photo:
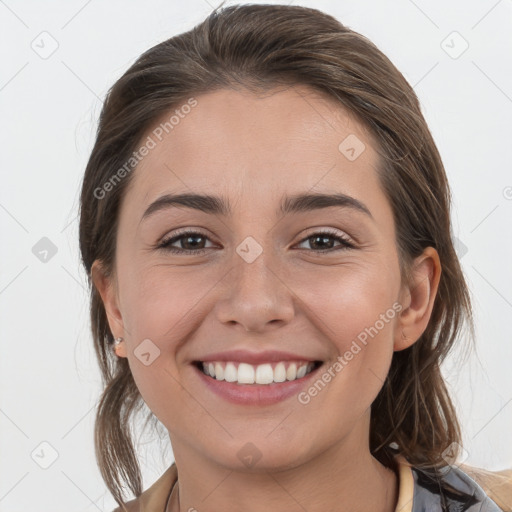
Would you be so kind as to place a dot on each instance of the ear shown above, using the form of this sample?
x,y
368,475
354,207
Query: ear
x,y
107,289
417,299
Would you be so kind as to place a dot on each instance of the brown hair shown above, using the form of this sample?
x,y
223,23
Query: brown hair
x,y
259,47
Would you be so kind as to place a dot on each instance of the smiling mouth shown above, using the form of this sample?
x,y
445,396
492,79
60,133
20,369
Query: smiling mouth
x,y
263,374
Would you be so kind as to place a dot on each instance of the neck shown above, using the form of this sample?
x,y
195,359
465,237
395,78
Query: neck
x,y
354,481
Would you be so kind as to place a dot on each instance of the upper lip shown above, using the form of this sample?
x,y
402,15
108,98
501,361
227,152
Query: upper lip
x,y
246,356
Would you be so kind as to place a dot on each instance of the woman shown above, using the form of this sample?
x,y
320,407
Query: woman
x,y
265,220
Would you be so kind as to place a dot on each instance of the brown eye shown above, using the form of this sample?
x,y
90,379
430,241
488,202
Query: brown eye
x,y
323,241
192,242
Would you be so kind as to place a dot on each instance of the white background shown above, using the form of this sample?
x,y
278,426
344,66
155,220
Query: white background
x,y
49,108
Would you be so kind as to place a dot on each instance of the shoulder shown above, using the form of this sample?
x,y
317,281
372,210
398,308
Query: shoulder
x,y
155,497
462,489
496,484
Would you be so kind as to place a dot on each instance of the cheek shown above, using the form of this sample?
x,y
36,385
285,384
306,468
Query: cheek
x,y
162,302
345,301
356,311
163,306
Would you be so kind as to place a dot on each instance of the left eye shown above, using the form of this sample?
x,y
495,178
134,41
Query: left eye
x,y
190,239
323,237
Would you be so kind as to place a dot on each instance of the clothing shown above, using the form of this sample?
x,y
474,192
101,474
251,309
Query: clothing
x,y
455,491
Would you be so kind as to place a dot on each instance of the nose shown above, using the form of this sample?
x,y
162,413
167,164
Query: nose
x,y
255,296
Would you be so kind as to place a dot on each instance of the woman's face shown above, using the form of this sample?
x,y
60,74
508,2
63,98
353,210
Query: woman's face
x,y
263,277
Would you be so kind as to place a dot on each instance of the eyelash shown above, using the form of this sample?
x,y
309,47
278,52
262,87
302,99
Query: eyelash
x,y
165,244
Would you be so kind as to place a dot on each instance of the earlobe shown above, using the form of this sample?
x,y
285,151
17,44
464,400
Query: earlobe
x,y
107,290
418,298
119,348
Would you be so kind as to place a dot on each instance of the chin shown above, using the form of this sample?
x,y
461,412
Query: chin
x,y
260,456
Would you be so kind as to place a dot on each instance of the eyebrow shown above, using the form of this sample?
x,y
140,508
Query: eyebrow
x,y
216,205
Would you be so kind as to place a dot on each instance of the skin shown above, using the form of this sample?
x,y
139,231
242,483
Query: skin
x,y
254,149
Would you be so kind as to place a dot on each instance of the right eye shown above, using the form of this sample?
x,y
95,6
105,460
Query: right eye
x,y
185,238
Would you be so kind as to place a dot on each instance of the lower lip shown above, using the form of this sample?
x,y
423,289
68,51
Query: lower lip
x,y
256,394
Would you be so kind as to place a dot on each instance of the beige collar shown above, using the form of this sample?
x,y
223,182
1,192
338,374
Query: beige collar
x,y
497,485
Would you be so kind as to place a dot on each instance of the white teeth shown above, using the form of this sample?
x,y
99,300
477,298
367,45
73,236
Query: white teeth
x,y
291,373
245,374
260,374
219,371
279,373
264,374
302,371
230,373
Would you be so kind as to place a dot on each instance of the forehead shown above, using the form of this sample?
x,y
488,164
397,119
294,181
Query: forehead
x,y
285,140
